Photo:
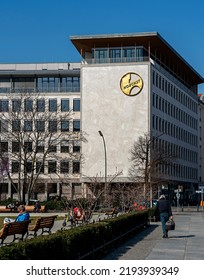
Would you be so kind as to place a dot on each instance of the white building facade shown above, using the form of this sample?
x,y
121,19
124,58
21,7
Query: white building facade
x,y
125,86
132,84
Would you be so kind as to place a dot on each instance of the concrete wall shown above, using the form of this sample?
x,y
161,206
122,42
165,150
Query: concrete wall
x,y
121,118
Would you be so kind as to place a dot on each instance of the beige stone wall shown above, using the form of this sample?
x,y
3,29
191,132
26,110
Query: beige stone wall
x,y
121,118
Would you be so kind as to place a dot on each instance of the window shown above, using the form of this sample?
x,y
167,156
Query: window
x,y
52,187
65,105
65,146
4,147
28,167
4,166
4,187
15,166
76,167
4,106
3,125
39,167
16,125
28,147
15,147
64,167
100,55
40,126
52,148
128,54
76,105
76,125
16,105
52,126
64,126
76,146
28,126
41,105
52,167
28,105
52,105
40,147
115,55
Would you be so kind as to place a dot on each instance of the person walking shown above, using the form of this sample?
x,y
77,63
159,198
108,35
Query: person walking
x,y
165,213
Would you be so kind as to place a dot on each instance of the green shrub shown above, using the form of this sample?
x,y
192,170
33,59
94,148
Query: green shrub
x,y
83,242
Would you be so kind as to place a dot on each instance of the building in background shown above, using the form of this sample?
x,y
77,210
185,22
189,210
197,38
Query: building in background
x,y
125,86
57,88
132,84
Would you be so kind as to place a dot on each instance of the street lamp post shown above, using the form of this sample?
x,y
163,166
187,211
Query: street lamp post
x,y
104,143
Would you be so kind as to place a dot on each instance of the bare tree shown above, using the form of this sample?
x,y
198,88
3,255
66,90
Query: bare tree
x,y
151,159
32,132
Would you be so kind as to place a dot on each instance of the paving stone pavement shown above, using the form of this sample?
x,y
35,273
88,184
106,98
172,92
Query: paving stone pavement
x,y
186,242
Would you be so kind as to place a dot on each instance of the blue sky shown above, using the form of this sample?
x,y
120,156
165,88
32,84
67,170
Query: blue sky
x,y
39,30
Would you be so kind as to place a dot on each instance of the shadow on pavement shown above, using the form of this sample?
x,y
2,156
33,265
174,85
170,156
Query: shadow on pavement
x,y
182,236
121,250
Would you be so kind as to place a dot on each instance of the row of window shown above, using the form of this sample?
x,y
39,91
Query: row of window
x,y
174,131
39,126
121,54
64,147
41,188
170,89
40,84
173,111
179,151
174,169
180,171
28,105
65,167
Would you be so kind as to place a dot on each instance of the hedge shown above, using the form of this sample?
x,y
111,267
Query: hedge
x,y
91,241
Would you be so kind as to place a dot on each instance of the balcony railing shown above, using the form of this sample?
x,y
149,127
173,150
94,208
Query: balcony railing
x,y
115,60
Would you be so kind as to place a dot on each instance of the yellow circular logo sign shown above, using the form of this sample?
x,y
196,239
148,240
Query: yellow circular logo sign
x,y
131,84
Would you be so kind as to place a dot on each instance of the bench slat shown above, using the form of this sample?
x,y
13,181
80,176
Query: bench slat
x,y
43,223
14,228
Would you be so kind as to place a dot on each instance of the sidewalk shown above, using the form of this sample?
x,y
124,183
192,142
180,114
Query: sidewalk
x,y
186,242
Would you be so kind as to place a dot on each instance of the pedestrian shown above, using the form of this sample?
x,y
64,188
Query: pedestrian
x,y
165,213
37,207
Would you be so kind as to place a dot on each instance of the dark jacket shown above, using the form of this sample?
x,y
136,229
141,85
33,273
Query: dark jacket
x,y
164,206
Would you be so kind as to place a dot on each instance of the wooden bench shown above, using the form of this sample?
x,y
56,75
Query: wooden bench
x,y
44,224
14,229
5,209
30,208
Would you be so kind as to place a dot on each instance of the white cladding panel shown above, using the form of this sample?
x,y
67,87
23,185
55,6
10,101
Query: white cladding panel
x,y
121,118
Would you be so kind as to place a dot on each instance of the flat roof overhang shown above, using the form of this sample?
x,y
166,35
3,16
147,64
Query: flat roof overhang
x,y
152,41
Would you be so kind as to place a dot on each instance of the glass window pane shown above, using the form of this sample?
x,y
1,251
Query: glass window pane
x,y
15,147
52,167
16,105
76,105
28,105
53,105
28,126
4,106
64,126
40,126
65,105
52,126
76,125
41,105
16,125
64,166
